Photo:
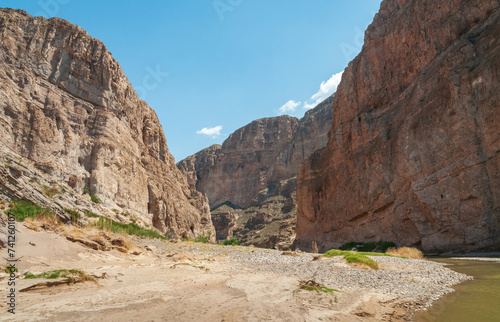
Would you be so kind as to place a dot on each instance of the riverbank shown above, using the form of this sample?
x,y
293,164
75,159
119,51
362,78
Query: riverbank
x,y
186,281
480,259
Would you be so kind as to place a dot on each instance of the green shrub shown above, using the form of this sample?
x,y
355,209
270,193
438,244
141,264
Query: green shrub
x,y
232,241
62,273
10,269
24,209
359,258
130,229
381,246
203,238
75,215
334,252
355,257
90,214
86,191
94,199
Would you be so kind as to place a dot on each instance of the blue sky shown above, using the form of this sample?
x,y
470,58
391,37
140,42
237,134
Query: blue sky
x,y
209,67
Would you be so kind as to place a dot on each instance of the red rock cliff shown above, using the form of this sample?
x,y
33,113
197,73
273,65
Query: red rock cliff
x,y
414,149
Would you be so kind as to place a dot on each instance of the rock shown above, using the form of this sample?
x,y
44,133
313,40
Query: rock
x,y
119,242
414,149
257,219
87,243
3,230
245,162
150,248
250,179
121,249
224,223
67,107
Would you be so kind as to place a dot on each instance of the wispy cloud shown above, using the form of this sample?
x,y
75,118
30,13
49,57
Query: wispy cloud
x,y
213,132
289,107
325,90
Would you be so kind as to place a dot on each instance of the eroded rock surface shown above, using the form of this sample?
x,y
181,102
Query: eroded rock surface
x,y
67,106
250,180
414,148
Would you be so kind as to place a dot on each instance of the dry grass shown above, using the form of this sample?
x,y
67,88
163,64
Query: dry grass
x,y
74,232
84,277
67,277
107,240
30,224
48,221
312,285
124,243
408,252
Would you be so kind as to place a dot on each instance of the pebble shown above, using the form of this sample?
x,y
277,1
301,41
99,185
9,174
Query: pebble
x,y
420,282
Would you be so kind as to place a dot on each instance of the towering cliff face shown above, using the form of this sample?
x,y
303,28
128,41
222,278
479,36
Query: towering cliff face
x,y
250,180
66,105
246,162
414,148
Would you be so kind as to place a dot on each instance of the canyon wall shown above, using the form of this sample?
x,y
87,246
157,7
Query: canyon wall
x,y
413,152
250,180
68,108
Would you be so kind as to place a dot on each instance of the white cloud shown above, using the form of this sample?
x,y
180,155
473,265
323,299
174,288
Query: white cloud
x,y
289,107
325,90
213,132
310,105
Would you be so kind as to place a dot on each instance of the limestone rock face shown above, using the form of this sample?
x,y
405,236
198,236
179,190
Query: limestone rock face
x,y
252,175
66,105
414,147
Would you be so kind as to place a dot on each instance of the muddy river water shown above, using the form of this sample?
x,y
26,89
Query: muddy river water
x,y
474,300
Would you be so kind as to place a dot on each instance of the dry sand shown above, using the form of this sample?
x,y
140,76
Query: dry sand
x,y
175,286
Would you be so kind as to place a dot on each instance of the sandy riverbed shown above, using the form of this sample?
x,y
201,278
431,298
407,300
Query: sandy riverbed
x,y
200,282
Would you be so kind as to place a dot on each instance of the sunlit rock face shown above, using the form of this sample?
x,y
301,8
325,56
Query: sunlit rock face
x,y
413,154
67,106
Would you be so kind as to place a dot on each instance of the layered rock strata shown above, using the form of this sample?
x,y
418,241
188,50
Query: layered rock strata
x,y
67,106
414,148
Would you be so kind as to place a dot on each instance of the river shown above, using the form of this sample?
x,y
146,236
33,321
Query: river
x,y
474,300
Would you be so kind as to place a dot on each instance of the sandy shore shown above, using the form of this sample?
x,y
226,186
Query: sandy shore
x,y
201,282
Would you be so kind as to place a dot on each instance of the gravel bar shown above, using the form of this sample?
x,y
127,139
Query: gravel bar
x,y
419,282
